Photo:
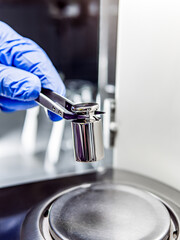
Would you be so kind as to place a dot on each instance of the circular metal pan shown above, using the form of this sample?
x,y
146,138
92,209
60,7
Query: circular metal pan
x,y
108,211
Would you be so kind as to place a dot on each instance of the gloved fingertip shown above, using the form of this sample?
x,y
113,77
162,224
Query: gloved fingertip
x,y
54,117
33,88
7,110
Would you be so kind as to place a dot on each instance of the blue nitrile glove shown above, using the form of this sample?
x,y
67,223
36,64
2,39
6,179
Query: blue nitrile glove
x,y
24,69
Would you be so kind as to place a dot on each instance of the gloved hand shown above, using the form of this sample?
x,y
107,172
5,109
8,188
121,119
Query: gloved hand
x,y
24,69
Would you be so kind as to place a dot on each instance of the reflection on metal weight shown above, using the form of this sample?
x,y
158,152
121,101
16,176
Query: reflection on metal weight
x,y
88,141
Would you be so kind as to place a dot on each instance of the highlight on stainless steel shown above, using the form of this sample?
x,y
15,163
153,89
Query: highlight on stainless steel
x,y
88,140
84,107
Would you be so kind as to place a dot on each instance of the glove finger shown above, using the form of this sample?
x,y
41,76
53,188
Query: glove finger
x,y
25,54
54,117
6,110
10,105
18,84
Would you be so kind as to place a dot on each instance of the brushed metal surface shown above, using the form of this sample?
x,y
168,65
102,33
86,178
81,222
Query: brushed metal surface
x,y
167,195
108,211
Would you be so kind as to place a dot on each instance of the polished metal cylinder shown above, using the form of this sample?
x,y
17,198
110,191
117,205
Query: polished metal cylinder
x,y
88,140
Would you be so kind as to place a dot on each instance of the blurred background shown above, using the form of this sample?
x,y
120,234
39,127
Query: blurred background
x,y
68,30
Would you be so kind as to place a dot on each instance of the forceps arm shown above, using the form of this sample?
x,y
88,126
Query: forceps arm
x,y
63,106
56,104
64,102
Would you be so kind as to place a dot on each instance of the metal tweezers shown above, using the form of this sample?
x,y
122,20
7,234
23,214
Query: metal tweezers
x,y
61,105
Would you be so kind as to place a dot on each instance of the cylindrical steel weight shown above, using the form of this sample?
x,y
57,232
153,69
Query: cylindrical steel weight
x,y
88,140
